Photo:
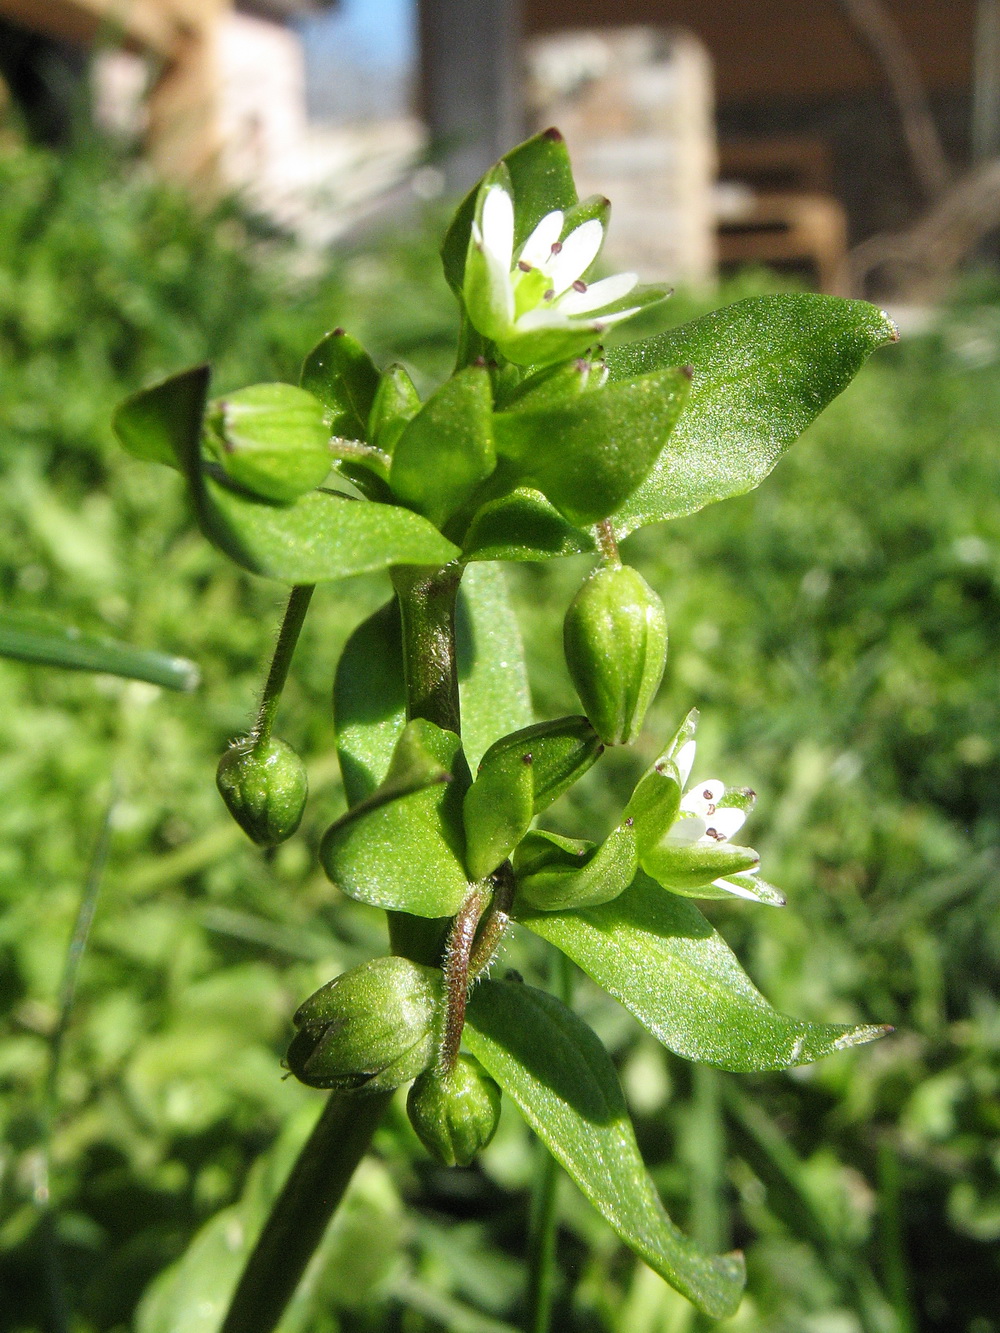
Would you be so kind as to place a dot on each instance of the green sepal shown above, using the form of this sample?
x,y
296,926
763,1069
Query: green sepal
x,y
537,347
595,206
597,877
541,179
455,1115
556,1070
396,402
523,526
444,453
689,867
659,956
764,368
270,438
566,379
370,1029
341,374
406,853
589,452
541,850
654,805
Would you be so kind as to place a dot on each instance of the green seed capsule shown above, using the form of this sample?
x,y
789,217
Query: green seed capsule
x,y
370,1029
271,438
615,637
455,1115
265,788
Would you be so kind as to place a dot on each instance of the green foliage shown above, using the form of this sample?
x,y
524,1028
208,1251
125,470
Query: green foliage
x,y
838,630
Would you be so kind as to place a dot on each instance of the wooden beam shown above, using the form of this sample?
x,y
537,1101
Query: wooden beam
x,y
155,27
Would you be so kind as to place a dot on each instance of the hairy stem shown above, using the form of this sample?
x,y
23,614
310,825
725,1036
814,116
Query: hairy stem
x,y
288,637
315,1186
607,542
461,937
494,922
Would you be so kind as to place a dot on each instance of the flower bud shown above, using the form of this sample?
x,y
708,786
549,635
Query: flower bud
x,y
615,638
271,438
265,787
370,1029
455,1115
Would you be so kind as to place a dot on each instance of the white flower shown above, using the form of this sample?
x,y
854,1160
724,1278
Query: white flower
x,y
538,306
707,818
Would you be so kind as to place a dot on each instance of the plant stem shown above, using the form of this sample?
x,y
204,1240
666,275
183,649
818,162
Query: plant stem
x,y
315,1186
607,542
427,597
343,1133
288,637
544,1214
456,973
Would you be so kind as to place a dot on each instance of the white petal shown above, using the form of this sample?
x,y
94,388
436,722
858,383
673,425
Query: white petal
x,y
498,226
684,758
601,322
689,828
736,889
727,821
545,316
579,250
703,797
598,294
538,247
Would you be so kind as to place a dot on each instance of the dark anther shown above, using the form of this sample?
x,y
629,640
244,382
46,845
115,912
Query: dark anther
x,y
549,294
556,247
579,285
525,268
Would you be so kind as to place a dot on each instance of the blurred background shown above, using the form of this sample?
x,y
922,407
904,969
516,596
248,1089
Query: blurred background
x,y
183,180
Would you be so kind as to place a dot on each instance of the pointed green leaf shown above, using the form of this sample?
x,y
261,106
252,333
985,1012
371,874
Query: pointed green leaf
x,y
341,374
369,701
542,180
323,535
563,1080
406,854
523,526
155,423
763,370
492,673
30,638
583,881
396,402
415,764
588,453
444,453
658,955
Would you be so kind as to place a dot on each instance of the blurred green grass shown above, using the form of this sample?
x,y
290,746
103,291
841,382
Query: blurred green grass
x,y
839,628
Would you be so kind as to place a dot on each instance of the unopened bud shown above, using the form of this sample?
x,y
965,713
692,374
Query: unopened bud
x,y
615,637
370,1029
456,1114
271,438
265,787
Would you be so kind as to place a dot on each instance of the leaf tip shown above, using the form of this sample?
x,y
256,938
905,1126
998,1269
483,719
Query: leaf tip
x,y
553,135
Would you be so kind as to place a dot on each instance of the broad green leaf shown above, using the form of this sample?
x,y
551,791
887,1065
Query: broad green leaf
x,y
406,854
588,453
30,638
563,1080
322,536
658,955
415,765
763,370
153,422
542,180
341,374
444,453
587,881
369,697
492,672
369,701
523,526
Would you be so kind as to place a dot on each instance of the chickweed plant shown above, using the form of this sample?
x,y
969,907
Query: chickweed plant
x,y
542,443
